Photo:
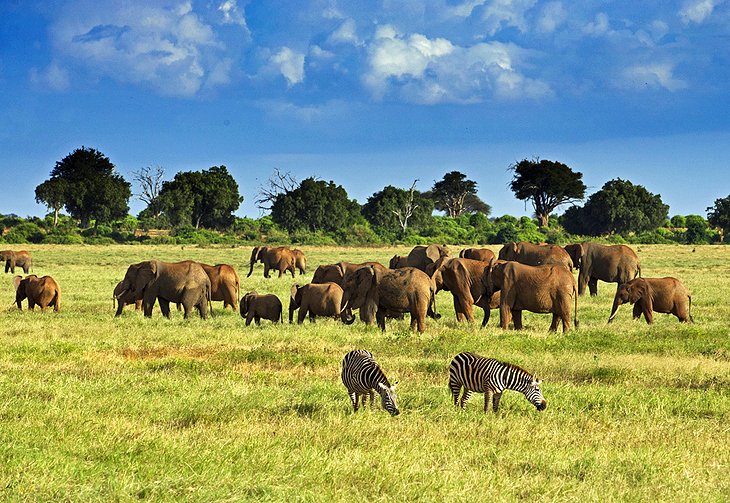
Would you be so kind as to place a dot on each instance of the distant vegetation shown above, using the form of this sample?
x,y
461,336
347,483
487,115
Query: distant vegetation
x,y
197,207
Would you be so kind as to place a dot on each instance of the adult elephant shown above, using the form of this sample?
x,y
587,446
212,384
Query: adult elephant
x,y
391,291
398,262
281,258
532,254
483,254
335,273
463,278
320,299
422,256
300,260
539,289
185,283
609,263
42,292
16,258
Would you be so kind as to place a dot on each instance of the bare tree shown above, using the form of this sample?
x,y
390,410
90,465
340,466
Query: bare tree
x,y
278,183
150,183
408,208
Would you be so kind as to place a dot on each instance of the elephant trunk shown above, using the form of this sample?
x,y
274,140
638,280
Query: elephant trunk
x,y
614,310
250,271
347,317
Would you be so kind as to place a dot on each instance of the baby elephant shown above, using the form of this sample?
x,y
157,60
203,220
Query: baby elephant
x,y
663,295
255,306
42,291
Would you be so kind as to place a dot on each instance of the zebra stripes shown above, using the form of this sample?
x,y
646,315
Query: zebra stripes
x,y
475,373
362,376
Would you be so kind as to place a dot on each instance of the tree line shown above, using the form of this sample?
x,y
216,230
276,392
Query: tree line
x,y
199,206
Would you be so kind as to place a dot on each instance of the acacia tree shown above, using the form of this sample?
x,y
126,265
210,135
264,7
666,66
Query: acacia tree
x,y
87,183
393,210
204,198
52,193
548,184
150,184
278,183
719,216
456,195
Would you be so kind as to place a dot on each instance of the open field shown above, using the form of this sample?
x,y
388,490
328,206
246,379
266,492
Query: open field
x,y
98,408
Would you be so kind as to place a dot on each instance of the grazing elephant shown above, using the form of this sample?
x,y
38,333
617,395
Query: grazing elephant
x,y
121,295
335,273
300,261
280,258
540,289
255,306
185,283
483,254
612,264
532,254
398,262
42,291
320,299
391,291
663,295
16,258
421,256
463,278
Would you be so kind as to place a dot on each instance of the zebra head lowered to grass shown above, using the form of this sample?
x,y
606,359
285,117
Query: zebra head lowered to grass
x,y
474,373
362,376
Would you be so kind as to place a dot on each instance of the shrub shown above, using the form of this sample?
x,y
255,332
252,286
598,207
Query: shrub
x,y
25,232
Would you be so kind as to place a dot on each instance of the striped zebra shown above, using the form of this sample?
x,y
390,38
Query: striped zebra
x,y
475,373
362,376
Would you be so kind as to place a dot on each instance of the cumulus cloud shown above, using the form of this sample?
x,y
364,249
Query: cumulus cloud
x,y
165,45
424,70
53,77
696,11
598,27
290,64
653,75
553,14
346,33
231,13
510,13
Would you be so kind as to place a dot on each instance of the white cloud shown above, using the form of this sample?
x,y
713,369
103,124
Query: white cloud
x,y
510,13
424,70
465,9
654,75
161,44
598,27
231,13
53,77
346,33
290,64
553,14
696,11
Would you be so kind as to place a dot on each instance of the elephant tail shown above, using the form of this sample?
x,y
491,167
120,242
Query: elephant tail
x,y
57,301
689,310
638,270
209,300
432,304
575,313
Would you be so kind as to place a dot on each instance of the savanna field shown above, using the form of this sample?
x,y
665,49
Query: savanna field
x,y
94,407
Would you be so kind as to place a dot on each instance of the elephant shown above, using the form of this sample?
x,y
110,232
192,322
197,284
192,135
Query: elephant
x,y
612,264
300,261
16,258
391,291
42,291
185,283
398,262
532,254
119,296
317,299
335,273
255,306
463,278
280,258
421,256
483,254
540,289
224,283
663,295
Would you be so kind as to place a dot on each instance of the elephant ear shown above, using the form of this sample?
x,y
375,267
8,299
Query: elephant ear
x,y
341,269
16,282
294,290
639,290
433,252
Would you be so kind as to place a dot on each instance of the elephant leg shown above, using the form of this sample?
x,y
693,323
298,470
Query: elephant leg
x,y
648,314
468,311
312,317
380,318
165,307
420,321
593,286
302,314
638,310
487,314
292,271
505,316
257,320
554,324
582,280
266,270
249,317
517,318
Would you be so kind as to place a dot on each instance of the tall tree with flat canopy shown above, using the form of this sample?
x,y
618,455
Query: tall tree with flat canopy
x,y
456,195
548,184
90,187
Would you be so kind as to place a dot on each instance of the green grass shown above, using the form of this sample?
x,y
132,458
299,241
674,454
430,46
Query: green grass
x,y
98,408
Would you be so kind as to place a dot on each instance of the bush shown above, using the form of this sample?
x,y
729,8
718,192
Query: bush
x,y
63,239
99,240
25,232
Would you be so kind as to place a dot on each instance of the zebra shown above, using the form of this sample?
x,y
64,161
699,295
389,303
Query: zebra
x,y
491,377
362,376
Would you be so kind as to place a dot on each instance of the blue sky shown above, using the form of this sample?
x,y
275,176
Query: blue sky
x,y
370,94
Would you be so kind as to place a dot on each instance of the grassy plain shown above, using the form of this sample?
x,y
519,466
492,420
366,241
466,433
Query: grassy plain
x,y
98,408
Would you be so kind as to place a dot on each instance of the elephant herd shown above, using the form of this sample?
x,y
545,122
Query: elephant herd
x,y
523,276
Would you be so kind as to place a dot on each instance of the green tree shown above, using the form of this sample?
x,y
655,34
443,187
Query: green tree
x,y
678,221
620,207
456,195
719,216
548,184
696,230
90,186
52,193
392,211
204,198
315,205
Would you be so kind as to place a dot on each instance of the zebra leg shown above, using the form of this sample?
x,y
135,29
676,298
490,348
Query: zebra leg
x,y
354,400
487,400
455,388
495,401
372,399
464,398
